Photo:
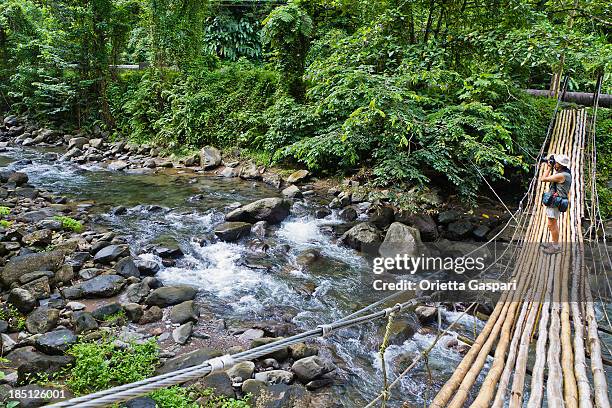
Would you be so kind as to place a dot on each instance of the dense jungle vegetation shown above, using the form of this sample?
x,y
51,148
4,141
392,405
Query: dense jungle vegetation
x,y
408,93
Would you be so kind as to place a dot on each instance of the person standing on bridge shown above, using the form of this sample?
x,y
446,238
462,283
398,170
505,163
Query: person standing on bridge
x,y
560,180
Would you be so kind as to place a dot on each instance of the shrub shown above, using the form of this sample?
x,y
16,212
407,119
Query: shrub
x,y
69,223
100,365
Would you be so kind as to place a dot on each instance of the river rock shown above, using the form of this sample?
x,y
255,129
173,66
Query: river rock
x,y
272,210
188,359
150,315
459,230
18,178
133,311
38,238
171,295
118,165
98,287
309,368
308,257
297,176
55,342
278,355
184,312
39,288
84,322
272,179
230,172
400,239
20,265
363,237
348,214
243,370
426,314
89,273
22,299
210,157
182,333
446,217
292,191
481,232
423,222
111,253
35,362
170,251
381,216
105,311
300,350
275,377
147,268
250,172
96,143
42,320
232,231
126,267
77,142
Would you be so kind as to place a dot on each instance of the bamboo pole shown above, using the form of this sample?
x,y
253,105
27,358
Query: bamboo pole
x,y
584,388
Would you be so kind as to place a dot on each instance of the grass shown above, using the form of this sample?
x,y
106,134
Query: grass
x,y
69,224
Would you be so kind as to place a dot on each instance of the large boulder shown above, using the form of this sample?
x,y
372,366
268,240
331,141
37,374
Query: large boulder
x,y
39,238
400,239
98,287
210,157
40,261
363,237
309,368
232,231
272,210
171,295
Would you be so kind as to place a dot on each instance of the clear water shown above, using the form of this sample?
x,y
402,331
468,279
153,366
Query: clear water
x,y
239,282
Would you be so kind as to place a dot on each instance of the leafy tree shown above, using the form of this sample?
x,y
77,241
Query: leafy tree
x,y
288,29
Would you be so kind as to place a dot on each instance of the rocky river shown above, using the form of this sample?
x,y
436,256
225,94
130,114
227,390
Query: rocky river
x,y
209,257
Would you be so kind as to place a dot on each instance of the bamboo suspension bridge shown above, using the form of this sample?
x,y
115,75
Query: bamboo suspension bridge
x,y
553,302
543,337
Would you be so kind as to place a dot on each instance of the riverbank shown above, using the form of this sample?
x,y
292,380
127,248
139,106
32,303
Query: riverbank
x,y
70,285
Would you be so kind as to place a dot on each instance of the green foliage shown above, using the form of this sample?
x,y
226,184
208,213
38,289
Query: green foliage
x,y
288,30
234,32
197,108
174,397
184,397
100,365
410,93
69,223
4,211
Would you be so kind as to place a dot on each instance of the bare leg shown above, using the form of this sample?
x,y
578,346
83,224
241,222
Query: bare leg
x,y
553,227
